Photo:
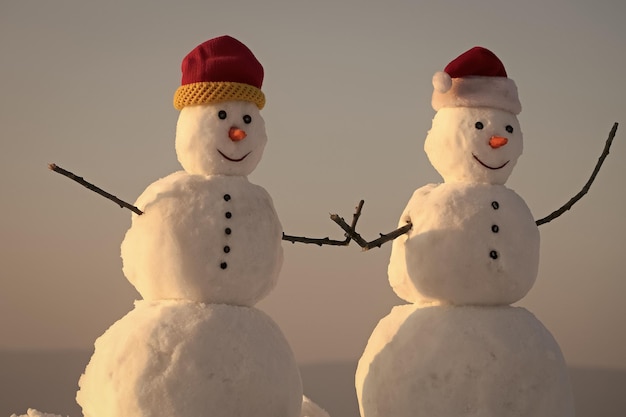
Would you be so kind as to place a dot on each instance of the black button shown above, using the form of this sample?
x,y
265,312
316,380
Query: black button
x,y
223,265
495,228
226,249
495,205
227,231
228,215
493,254
226,197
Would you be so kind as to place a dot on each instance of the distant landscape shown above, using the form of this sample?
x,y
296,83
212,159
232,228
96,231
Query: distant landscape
x,y
47,381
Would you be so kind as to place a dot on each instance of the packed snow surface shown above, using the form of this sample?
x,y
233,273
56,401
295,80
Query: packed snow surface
x,y
203,145
462,361
212,239
31,412
180,358
458,144
309,409
471,243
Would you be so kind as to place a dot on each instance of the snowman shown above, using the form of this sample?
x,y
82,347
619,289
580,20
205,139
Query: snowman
x,y
206,249
459,348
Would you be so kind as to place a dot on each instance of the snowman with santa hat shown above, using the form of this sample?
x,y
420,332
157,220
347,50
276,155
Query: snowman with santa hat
x,y
206,248
472,249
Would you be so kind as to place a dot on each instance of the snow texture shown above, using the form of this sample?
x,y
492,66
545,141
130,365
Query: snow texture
x,y
201,135
31,412
212,239
462,249
462,361
310,409
456,142
183,358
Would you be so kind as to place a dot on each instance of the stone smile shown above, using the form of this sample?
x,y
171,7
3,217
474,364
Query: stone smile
x,y
234,159
487,166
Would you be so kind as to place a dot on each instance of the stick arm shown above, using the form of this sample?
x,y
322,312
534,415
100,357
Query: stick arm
x,y
92,187
326,240
376,243
587,186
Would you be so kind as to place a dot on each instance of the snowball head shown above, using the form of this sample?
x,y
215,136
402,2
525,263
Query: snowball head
x,y
462,361
213,239
469,244
179,358
203,145
458,144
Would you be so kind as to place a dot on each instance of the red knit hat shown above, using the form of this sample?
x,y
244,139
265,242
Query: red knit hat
x,y
475,78
220,69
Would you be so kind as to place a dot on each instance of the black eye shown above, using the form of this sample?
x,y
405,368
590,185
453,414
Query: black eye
x,y
222,114
509,128
247,119
479,125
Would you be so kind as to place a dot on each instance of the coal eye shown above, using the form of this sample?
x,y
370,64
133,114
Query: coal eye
x,y
479,125
247,119
509,128
222,114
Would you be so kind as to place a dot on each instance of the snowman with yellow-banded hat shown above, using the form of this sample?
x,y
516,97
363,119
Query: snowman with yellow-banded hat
x,y
206,248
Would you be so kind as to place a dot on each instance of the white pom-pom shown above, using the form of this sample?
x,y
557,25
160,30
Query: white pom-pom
x,y
442,81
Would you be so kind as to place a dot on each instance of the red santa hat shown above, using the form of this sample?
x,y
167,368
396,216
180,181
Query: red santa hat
x,y
475,78
220,69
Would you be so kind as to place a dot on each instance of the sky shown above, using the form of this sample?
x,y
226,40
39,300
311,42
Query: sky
x,y
89,86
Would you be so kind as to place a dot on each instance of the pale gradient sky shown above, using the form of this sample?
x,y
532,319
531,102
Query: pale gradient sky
x,y
89,85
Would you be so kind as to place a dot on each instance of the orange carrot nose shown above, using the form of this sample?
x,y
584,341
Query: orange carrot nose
x,y
497,141
235,134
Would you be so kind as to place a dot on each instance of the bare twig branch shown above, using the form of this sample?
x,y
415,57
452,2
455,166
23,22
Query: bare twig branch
x,y
326,240
376,243
81,181
587,186
315,241
349,230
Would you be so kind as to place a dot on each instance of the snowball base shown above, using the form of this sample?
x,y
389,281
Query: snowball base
x,y
179,358
462,361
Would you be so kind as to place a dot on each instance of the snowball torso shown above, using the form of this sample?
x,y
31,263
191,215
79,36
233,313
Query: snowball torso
x,y
179,358
470,244
213,239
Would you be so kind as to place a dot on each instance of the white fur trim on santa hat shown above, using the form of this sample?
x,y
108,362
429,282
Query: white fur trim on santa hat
x,y
476,91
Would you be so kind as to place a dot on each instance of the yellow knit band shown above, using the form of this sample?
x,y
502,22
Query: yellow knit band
x,y
211,92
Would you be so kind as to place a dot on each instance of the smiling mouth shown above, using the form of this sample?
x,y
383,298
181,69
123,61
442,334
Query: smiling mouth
x,y
234,159
487,166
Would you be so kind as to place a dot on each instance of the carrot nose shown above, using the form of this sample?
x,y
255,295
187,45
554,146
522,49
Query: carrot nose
x,y
235,134
497,141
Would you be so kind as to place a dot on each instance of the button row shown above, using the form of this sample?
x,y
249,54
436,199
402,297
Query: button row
x,y
227,230
495,229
